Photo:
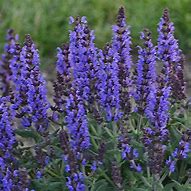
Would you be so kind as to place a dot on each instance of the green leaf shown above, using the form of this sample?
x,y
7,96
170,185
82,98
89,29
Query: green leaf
x,y
40,185
28,133
102,185
170,186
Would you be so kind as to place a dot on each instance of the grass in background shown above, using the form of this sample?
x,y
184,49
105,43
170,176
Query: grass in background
x,y
47,20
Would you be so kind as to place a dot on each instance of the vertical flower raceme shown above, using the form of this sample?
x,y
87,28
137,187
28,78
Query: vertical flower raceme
x,y
117,60
30,91
22,67
15,67
122,61
171,56
112,103
37,100
87,69
10,176
181,152
77,101
78,58
15,180
153,100
101,81
93,56
7,134
116,176
5,71
156,136
105,87
146,72
63,83
77,124
75,178
178,82
128,152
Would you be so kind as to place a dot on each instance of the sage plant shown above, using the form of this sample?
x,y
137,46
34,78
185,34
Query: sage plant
x,y
106,127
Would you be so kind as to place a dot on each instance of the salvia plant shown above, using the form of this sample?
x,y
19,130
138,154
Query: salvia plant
x,y
112,123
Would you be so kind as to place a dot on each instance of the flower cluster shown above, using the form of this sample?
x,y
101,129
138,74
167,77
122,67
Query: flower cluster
x,y
75,180
7,135
156,136
128,152
121,49
30,96
116,176
11,178
5,71
181,152
171,56
106,111
63,82
146,73
117,76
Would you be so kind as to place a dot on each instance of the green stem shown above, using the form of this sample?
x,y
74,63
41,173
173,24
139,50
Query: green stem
x,y
62,168
140,123
155,182
93,129
93,185
94,143
182,170
109,133
145,181
148,172
52,173
163,176
107,178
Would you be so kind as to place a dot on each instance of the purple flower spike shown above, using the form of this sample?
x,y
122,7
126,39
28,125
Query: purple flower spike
x,y
30,96
116,176
156,137
82,58
7,56
171,56
7,134
75,179
127,151
113,72
121,64
63,83
37,100
10,177
181,151
146,74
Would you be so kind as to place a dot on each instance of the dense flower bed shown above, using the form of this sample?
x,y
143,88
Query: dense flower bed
x,y
112,124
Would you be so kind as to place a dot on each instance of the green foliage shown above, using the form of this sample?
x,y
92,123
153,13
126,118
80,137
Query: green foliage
x,y
47,21
54,177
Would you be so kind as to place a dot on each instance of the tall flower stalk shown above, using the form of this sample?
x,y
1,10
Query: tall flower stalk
x,y
75,178
181,151
146,72
11,177
30,96
63,84
156,136
82,60
6,57
112,104
171,56
122,62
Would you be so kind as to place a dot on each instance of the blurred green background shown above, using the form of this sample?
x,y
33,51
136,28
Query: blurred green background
x,y
47,20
